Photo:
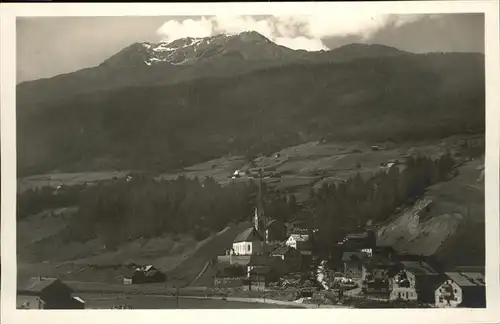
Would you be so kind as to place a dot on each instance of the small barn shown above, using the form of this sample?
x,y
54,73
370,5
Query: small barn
x,y
469,289
47,293
147,274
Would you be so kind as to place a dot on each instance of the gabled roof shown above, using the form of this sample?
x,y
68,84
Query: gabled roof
x,y
467,279
248,235
377,261
419,268
37,285
356,236
274,221
78,299
282,250
426,285
300,237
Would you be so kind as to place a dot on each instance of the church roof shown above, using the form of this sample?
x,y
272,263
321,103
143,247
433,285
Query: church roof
x,y
250,234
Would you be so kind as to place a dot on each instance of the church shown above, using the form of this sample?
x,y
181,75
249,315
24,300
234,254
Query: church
x,y
251,249
265,235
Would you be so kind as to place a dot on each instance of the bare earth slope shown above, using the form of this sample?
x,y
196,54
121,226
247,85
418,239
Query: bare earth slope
x,y
448,222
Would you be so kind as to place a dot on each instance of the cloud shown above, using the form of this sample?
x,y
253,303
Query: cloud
x,y
296,32
174,29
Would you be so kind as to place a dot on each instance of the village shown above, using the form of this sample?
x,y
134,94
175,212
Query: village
x,y
270,260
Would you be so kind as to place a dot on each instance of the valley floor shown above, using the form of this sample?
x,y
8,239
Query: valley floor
x,y
453,230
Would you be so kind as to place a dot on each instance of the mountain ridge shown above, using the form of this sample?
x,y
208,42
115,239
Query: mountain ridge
x,y
141,64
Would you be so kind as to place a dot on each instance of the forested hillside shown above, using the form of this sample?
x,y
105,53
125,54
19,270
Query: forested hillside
x,y
400,98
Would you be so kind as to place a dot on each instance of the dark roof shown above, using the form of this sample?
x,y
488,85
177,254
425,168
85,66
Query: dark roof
x,y
479,269
353,256
379,261
273,221
383,249
467,279
282,250
426,286
429,259
419,268
250,234
354,236
37,285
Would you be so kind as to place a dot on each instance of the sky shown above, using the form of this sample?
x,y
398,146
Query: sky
x,y
47,46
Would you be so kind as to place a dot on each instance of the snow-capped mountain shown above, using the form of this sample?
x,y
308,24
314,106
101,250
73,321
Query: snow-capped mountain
x,y
148,64
250,46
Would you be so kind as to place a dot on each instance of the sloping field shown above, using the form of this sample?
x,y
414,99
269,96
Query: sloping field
x,y
68,179
89,261
37,227
448,223
187,272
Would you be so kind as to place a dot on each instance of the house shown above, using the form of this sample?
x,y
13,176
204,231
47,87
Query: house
x,y
238,174
299,242
353,263
469,289
427,279
365,241
291,258
47,293
147,274
376,274
402,285
248,242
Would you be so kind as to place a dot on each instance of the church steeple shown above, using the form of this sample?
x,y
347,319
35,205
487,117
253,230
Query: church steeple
x,y
259,216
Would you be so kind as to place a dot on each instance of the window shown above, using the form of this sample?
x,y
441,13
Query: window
x,y
248,247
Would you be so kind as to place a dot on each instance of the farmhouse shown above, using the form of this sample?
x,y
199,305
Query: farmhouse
x,y
376,275
47,293
468,289
428,282
402,285
299,242
146,274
